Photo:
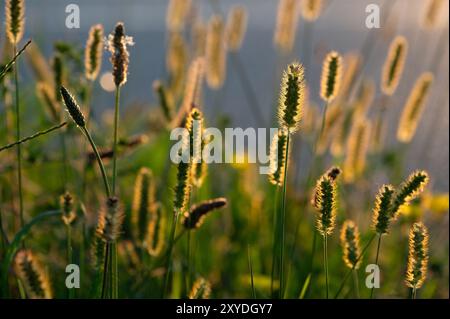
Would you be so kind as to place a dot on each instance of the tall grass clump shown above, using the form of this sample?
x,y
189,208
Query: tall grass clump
x,y
15,25
286,25
417,257
325,203
290,108
412,112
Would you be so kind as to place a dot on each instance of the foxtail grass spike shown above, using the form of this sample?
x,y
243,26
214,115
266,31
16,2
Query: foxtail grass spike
x,y
236,27
32,275
278,157
194,218
15,20
431,17
410,189
381,217
418,256
286,25
201,289
156,229
331,76
166,107
412,112
93,52
117,45
325,204
110,220
183,186
393,65
73,108
177,13
357,147
215,53
292,96
143,203
311,9
194,126
67,208
350,244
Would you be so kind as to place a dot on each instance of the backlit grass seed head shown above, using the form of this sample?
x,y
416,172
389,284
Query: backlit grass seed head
x,y
73,108
32,275
350,244
183,186
292,96
143,202
410,189
432,11
236,27
15,20
278,158
117,46
199,38
381,217
393,65
93,52
325,204
155,231
47,96
286,25
177,56
201,289
67,208
333,173
161,92
194,218
331,76
311,9
356,150
110,220
177,13
364,98
418,256
59,74
215,53
193,86
412,112
194,126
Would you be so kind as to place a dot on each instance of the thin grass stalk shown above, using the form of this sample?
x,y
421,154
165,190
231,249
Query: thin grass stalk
x,y
105,272
413,293
99,161
173,230
376,262
116,125
275,236
356,283
325,261
18,136
283,221
250,267
349,272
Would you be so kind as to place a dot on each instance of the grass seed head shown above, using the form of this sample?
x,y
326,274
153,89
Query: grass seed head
x,y
331,76
143,203
236,27
286,25
325,202
292,96
67,208
357,147
278,158
412,112
93,52
177,13
215,53
166,107
201,289
410,189
155,231
418,256
381,217
73,108
117,45
393,65
431,17
311,9
194,218
32,275
15,20
350,244
110,220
